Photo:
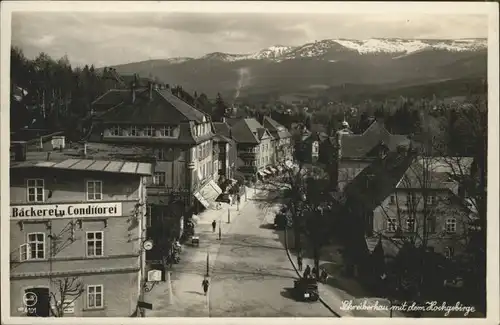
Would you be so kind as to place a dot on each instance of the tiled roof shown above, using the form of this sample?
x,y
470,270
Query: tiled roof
x,y
163,108
246,131
360,145
184,108
222,128
435,172
377,181
111,99
276,129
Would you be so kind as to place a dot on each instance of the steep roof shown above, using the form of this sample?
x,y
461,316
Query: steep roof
x,y
377,181
435,172
222,128
360,145
275,128
247,131
164,107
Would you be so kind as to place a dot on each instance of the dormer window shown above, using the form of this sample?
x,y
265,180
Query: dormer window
x,y
115,131
133,131
167,131
149,131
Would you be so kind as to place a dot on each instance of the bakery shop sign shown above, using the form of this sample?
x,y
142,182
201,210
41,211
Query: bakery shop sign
x,y
53,211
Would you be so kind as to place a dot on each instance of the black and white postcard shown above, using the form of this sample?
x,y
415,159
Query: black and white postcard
x,y
190,162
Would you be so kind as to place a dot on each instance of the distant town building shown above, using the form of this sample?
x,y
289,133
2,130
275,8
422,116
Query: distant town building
x,y
353,152
282,140
77,226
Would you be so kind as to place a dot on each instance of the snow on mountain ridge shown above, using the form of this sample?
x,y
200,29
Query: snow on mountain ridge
x,y
374,45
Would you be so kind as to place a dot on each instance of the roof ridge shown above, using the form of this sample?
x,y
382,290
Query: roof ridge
x,y
175,106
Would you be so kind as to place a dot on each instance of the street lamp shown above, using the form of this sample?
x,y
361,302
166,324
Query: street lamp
x,y
208,263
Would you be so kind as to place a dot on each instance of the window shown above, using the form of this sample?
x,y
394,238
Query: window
x,y
411,199
35,190
133,131
115,131
392,199
431,225
94,190
159,178
451,225
94,296
200,152
248,163
448,252
166,131
431,199
410,224
35,246
94,243
149,131
160,154
391,225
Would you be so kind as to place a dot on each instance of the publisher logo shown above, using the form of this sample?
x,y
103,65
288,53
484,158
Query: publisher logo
x,y
30,299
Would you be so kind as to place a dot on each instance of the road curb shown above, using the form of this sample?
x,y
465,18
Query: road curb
x,y
298,274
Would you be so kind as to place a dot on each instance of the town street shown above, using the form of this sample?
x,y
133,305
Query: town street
x,y
250,273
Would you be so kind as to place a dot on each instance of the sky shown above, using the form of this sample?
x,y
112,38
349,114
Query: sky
x,y
104,38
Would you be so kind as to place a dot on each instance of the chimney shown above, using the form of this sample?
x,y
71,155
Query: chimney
x,y
85,149
133,92
150,84
20,150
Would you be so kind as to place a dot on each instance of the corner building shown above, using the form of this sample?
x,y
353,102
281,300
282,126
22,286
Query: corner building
x,y
76,220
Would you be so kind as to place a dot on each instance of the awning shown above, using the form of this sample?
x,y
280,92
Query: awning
x,y
208,193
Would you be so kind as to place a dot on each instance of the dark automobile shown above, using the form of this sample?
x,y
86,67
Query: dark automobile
x,y
306,289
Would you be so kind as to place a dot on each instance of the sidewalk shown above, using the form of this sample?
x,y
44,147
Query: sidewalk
x,y
187,298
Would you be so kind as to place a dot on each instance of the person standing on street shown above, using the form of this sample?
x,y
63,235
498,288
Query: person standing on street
x,y
299,262
307,272
214,225
205,284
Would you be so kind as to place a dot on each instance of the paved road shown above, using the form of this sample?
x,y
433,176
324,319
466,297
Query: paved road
x,y
252,275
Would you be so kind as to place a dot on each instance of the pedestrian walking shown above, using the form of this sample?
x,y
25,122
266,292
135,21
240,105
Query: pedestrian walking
x,y
214,225
314,272
299,262
238,198
307,272
205,284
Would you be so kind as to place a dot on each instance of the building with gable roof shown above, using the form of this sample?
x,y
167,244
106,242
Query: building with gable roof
x,y
354,152
254,146
282,142
179,139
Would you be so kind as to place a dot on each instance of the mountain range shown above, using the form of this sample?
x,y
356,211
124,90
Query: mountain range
x,y
321,66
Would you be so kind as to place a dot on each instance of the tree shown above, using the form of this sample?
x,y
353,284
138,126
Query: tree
x,y
473,183
69,289
416,217
220,108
